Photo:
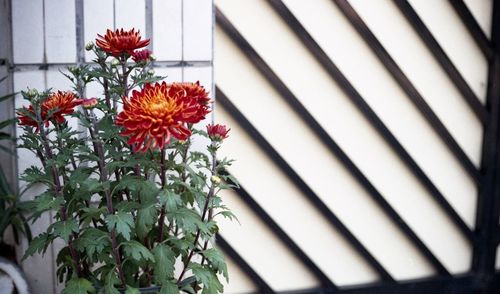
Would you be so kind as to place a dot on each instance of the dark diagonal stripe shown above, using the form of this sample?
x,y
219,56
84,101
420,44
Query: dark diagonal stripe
x,y
335,73
443,59
309,120
300,184
408,88
244,266
473,27
286,240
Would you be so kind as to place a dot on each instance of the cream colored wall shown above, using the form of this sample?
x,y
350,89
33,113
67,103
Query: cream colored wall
x,y
268,112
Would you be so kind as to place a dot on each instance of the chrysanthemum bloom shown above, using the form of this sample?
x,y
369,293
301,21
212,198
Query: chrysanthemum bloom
x,y
217,132
89,103
162,110
53,108
120,41
141,55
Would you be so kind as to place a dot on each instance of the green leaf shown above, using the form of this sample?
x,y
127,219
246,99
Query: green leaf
x,y
78,286
169,287
170,199
8,122
188,220
38,244
90,213
8,96
109,283
122,222
164,263
137,251
47,201
131,290
217,260
211,284
64,229
34,174
146,217
92,241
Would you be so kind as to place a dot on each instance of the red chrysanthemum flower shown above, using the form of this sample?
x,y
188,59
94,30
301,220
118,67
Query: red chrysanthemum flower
x,y
120,41
162,110
141,55
53,108
217,132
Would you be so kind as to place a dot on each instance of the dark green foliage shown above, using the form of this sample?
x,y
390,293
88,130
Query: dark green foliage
x,y
127,218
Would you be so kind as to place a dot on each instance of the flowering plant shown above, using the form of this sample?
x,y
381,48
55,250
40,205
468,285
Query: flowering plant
x,y
135,205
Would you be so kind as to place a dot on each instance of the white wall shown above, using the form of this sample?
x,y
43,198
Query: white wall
x,y
266,110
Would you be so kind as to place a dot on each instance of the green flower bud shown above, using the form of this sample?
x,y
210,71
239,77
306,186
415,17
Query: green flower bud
x,y
89,46
215,179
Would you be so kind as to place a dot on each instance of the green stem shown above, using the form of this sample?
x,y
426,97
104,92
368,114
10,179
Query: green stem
x,y
205,211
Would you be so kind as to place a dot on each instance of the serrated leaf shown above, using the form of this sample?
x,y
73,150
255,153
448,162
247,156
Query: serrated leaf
x,y
227,214
137,251
47,201
170,199
38,244
211,284
164,264
188,220
8,122
217,260
79,175
109,283
92,241
64,229
121,221
169,287
78,286
146,217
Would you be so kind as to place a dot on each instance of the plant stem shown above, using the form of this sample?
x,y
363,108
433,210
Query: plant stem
x,y
163,179
57,190
98,148
205,211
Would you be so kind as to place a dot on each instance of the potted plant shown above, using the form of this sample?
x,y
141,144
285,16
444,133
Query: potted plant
x,y
136,206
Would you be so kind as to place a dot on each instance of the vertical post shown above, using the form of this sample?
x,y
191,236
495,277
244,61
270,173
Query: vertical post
x,y
80,32
487,227
7,161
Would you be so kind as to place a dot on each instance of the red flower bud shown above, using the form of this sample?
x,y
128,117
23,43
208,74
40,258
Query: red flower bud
x,y
141,55
217,132
89,103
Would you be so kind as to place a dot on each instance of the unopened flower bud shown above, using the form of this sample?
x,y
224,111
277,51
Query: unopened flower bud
x,y
32,93
152,57
89,103
141,55
215,179
89,46
217,132
115,61
151,72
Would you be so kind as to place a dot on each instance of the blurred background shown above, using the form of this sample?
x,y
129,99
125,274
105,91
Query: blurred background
x,y
365,132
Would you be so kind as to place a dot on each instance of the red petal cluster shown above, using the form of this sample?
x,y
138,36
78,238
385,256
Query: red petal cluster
x,y
89,103
120,41
217,132
54,108
141,55
162,110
